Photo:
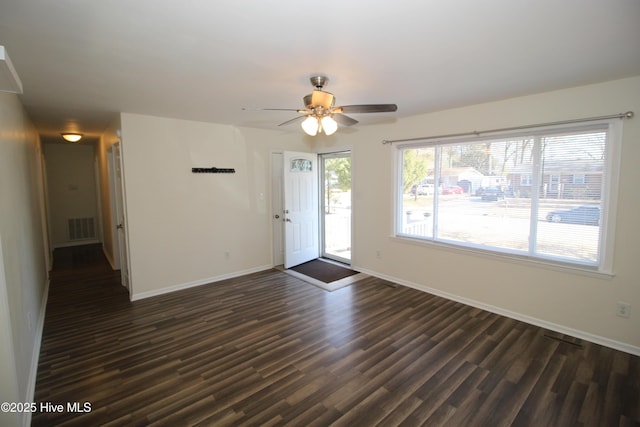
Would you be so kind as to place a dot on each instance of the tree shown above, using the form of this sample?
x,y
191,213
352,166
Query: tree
x,y
475,156
340,168
414,169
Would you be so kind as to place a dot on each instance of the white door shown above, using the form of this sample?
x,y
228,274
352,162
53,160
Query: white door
x,y
300,175
121,224
113,202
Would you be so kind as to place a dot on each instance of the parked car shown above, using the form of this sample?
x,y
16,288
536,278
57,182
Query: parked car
x,y
422,189
454,189
586,215
492,193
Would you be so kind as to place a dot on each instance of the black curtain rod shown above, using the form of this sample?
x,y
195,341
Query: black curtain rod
x,y
627,115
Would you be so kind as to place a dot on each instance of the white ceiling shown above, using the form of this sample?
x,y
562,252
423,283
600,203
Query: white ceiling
x,y
81,62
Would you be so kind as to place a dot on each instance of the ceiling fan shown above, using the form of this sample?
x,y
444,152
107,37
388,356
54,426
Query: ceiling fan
x,y
320,114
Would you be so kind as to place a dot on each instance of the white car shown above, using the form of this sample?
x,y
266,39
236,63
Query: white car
x,y
424,189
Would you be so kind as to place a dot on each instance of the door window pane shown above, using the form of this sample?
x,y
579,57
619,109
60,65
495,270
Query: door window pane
x,y
301,165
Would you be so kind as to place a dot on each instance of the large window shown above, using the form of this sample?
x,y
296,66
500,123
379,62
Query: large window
x,y
539,193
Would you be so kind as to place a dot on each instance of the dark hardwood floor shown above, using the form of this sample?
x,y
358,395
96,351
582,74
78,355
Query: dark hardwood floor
x,y
269,349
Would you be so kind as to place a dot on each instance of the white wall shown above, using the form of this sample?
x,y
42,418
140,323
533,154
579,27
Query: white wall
x,y
71,187
23,271
563,300
182,225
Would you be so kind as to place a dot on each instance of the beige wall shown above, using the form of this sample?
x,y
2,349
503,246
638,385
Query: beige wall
x,y
23,271
181,225
71,187
560,299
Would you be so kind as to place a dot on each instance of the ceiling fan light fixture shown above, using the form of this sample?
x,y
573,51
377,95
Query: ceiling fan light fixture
x,y
329,126
322,99
321,114
72,137
310,126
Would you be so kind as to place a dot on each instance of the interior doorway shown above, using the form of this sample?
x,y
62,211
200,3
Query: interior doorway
x,y
336,219
118,220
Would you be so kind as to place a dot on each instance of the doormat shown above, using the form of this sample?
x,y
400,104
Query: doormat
x,y
323,271
326,274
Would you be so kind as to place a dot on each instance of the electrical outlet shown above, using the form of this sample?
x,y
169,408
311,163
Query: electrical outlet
x,y
623,309
227,254
379,254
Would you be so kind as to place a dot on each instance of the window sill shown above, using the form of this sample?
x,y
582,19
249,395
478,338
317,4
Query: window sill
x,y
517,259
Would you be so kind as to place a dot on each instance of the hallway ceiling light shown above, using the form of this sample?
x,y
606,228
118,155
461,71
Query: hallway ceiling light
x,y
72,137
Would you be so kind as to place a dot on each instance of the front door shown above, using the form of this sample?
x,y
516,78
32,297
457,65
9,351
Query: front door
x,y
300,176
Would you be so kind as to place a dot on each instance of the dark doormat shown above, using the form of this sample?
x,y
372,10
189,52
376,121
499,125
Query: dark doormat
x,y
323,271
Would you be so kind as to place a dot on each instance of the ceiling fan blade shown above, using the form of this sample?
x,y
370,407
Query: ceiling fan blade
x,y
367,108
344,120
297,119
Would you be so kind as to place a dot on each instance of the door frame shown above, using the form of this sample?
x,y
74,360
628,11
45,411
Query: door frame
x,y
321,183
277,235
301,207
114,209
277,208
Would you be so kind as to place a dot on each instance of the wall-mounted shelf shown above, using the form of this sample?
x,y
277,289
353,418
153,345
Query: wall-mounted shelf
x,y
213,170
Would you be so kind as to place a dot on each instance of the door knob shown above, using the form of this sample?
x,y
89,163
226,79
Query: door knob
x,y
119,226
276,216
287,219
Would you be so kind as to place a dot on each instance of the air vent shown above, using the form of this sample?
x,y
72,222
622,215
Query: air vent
x,y
81,228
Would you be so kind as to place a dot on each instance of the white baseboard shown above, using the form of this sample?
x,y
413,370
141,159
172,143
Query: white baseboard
x,y
109,259
206,281
35,357
596,339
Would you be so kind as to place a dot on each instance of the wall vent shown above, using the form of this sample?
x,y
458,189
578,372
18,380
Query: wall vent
x,y
81,228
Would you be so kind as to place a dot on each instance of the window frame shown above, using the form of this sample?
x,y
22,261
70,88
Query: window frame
x,y
525,182
608,200
579,179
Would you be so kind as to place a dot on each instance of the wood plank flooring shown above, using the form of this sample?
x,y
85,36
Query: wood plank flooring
x,y
269,349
